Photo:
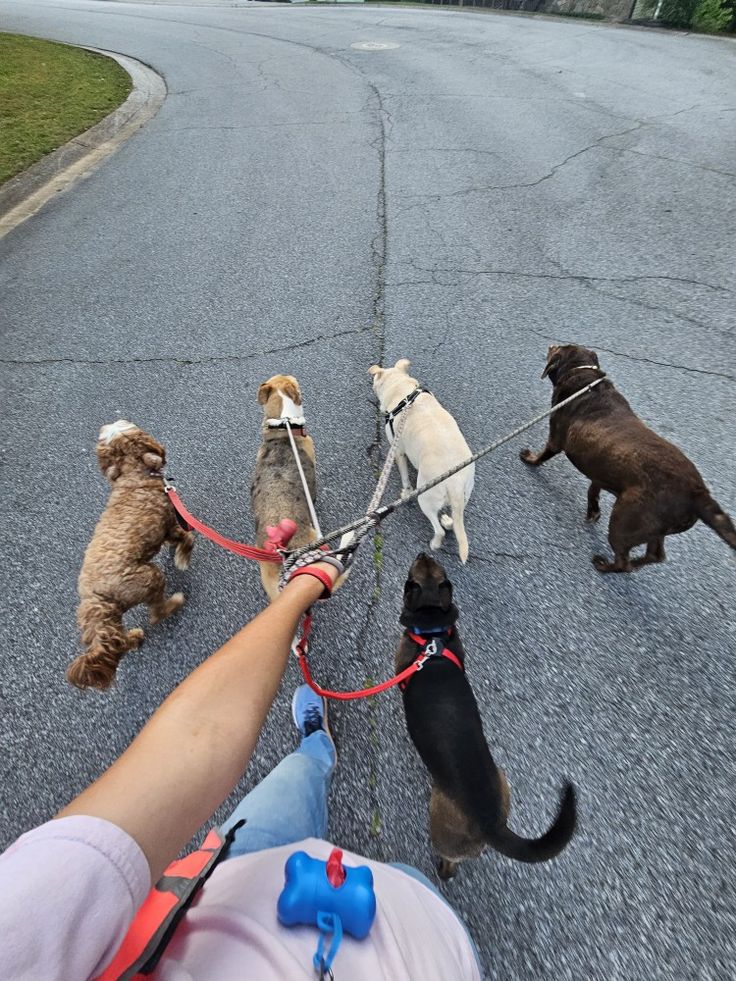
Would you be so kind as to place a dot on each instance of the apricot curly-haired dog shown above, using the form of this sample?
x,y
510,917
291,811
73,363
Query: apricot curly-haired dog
x,y
117,572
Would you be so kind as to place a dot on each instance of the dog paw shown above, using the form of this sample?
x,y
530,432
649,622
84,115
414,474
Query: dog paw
x,y
436,542
602,564
135,638
446,521
527,456
158,613
182,557
592,516
446,870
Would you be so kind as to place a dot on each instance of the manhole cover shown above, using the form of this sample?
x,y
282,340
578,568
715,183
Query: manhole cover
x,y
374,45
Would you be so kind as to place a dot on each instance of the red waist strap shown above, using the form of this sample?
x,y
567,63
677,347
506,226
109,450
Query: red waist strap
x,y
163,908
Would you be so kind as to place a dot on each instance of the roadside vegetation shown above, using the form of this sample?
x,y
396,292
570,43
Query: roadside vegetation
x,y
49,93
708,16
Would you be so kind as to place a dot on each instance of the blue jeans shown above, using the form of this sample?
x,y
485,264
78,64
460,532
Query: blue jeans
x,y
290,804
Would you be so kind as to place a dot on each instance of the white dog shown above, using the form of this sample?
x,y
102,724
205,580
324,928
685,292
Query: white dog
x,y
432,441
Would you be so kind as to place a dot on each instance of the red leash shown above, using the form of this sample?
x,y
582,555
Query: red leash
x,y
346,696
279,537
246,551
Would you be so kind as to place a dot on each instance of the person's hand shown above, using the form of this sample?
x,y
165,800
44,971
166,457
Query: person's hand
x,y
326,568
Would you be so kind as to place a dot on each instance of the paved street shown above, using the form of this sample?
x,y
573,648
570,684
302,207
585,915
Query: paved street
x,y
484,186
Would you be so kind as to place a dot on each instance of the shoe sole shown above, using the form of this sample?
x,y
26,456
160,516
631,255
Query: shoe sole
x,y
325,721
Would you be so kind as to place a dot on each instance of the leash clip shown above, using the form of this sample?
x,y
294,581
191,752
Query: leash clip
x,y
421,661
431,649
168,486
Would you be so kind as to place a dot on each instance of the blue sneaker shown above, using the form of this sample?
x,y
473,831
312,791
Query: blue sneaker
x,y
310,713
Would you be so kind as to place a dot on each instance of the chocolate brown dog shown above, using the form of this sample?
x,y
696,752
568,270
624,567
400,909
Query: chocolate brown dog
x,y
469,806
658,490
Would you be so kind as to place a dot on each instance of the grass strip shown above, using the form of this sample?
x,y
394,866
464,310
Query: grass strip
x,y
50,93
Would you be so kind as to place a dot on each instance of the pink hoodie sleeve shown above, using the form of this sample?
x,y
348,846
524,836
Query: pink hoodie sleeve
x,y
68,892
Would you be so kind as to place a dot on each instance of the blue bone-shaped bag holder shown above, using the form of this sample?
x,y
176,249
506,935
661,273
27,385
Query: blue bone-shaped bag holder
x,y
330,896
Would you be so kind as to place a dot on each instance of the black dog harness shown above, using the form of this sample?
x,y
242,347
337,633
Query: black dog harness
x,y
431,646
388,417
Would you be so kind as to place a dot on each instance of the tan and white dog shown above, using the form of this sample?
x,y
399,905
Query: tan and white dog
x,y
276,492
432,442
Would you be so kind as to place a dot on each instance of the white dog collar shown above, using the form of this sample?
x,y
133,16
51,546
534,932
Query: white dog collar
x,y
296,422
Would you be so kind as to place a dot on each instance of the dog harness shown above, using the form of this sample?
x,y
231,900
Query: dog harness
x,y
388,417
432,645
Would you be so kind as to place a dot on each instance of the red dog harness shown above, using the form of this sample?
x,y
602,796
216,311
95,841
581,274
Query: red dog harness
x,y
430,647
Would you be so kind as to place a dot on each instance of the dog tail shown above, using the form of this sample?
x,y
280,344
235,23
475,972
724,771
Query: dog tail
x,y
456,496
550,844
715,517
106,640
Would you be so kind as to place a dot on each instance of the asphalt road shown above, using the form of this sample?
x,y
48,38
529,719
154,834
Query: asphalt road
x,y
485,186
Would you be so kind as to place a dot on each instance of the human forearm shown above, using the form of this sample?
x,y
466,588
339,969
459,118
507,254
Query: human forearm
x,y
191,753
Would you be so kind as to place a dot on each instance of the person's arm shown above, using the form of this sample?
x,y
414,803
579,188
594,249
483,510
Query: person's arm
x,y
194,749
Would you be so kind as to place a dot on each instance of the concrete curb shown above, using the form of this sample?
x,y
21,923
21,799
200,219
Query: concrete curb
x,y
24,195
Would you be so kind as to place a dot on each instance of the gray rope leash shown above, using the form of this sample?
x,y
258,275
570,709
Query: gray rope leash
x,y
362,526
388,463
305,488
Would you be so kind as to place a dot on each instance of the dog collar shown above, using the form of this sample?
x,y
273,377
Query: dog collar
x,y
581,367
298,425
431,646
389,417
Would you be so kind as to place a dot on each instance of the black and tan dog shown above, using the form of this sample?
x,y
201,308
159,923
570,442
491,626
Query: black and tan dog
x,y
469,805
658,490
276,492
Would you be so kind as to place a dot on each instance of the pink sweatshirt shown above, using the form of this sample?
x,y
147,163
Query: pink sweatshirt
x,y
70,888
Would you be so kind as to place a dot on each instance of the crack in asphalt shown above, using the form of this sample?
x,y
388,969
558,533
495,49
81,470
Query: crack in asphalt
x,y
484,188
167,359
577,277
674,160
588,281
379,251
599,143
641,359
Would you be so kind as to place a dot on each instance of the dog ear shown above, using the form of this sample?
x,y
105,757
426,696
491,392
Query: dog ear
x,y
376,369
153,461
403,364
108,459
291,390
445,594
412,594
553,361
264,393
